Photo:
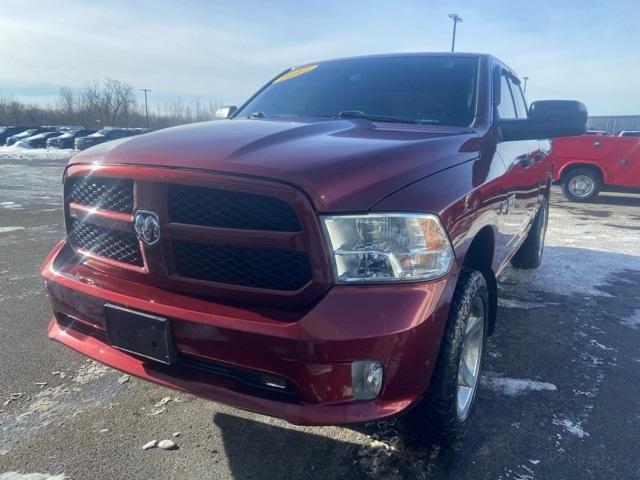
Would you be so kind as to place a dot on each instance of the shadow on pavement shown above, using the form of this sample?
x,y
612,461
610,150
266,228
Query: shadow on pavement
x,y
628,199
262,451
605,198
375,450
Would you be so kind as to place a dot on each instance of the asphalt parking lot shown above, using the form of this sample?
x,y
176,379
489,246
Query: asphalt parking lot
x,y
559,399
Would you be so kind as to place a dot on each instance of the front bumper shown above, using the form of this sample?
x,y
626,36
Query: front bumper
x,y
399,326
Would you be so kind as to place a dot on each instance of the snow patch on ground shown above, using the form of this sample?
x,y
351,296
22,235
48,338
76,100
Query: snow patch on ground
x,y
512,303
515,386
10,205
633,321
31,476
583,393
574,428
570,271
10,229
571,225
597,344
90,372
18,153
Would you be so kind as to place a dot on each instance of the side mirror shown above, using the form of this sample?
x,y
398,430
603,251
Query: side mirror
x,y
547,119
226,111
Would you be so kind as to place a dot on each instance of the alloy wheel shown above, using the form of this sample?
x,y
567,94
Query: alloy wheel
x,y
470,359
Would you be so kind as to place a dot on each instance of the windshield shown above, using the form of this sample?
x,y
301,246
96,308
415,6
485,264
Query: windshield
x,y
421,89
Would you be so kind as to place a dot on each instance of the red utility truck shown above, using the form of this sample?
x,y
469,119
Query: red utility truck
x,y
328,254
588,163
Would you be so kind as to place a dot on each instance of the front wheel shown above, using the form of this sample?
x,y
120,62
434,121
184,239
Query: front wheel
x,y
446,408
581,184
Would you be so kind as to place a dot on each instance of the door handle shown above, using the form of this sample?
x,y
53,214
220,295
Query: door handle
x,y
596,144
622,161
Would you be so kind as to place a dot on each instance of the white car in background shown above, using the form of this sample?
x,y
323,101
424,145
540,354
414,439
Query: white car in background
x,y
36,141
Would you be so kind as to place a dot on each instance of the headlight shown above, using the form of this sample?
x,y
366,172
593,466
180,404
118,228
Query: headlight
x,y
387,247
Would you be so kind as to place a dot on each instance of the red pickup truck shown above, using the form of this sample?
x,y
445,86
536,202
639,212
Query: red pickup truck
x,y
588,163
328,254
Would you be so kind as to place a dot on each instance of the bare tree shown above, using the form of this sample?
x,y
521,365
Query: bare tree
x,y
98,104
66,101
91,105
119,100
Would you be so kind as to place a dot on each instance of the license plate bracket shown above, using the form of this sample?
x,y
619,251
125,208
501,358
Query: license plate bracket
x,y
140,333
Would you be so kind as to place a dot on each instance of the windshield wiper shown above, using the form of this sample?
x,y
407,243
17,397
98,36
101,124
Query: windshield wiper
x,y
382,118
261,114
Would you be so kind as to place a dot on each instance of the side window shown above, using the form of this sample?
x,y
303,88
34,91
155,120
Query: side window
x,y
506,108
521,103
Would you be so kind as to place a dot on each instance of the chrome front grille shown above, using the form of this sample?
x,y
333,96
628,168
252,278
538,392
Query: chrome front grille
x,y
111,194
108,243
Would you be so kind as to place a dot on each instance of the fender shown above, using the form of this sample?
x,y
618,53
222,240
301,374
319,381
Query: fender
x,y
559,172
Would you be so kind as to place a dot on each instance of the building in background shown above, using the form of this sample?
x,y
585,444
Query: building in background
x,y
614,124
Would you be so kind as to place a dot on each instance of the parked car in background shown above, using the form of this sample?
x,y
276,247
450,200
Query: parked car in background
x,y
64,128
36,141
26,134
329,254
629,133
587,164
67,139
106,134
6,132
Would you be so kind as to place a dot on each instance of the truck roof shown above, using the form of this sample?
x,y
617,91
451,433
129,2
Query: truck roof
x,y
398,55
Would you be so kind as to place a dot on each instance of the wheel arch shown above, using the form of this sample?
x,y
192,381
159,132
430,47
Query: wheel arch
x,y
479,256
566,169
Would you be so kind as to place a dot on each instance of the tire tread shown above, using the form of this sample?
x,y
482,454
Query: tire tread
x,y
437,410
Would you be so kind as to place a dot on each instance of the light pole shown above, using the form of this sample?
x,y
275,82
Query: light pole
x,y
146,105
456,18
525,83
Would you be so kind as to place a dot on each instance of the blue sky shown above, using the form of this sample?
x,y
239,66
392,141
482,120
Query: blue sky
x,y
224,50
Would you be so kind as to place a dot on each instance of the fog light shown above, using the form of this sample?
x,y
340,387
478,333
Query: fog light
x,y
366,379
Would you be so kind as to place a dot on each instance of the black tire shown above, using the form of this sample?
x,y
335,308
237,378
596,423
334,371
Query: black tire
x,y
581,184
436,415
529,255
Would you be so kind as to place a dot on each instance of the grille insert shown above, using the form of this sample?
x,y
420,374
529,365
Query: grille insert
x,y
250,267
221,208
103,193
112,244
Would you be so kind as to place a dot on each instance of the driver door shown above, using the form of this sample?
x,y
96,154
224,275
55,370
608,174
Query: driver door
x,y
523,162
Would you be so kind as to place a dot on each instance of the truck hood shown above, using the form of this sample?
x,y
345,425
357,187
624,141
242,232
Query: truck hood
x,y
342,165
